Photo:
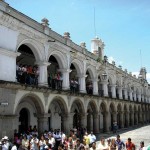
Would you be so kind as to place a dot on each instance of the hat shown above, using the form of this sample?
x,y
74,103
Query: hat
x,y
5,138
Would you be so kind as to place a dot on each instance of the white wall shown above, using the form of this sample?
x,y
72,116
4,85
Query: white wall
x,y
8,38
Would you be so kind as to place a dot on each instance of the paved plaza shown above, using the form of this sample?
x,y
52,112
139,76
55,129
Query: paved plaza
x,y
137,135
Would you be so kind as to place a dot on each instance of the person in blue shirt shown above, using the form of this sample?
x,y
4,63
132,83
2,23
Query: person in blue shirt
x,y
120,144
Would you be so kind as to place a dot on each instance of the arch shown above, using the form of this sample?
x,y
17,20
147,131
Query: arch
x,y
119,111
103,107
103,116
92,107
77,109
61,102
112,107
34,46
60,57
91,71
57,109
78,66
77,104
32,99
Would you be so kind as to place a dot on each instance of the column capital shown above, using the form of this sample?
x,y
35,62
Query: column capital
x,y
64,70
43,63
82,75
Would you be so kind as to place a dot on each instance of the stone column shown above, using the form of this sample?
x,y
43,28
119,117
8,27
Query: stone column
x,y
96,123
105,88
67,122
132,118
95,87
84,120
134,95
82,83
127,118
43,123
8,124
120,92
125,94
113,90
136,118
42,80
8,60
65,78
114,116
139,97
107,123
121,119
131,96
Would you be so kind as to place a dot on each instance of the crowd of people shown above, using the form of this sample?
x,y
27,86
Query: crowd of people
x,y
58,140
49,140
55,80
27,74
74,86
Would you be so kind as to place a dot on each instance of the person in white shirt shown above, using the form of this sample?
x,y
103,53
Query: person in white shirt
x,y
92,138
34,143
51,140
103,145
5,143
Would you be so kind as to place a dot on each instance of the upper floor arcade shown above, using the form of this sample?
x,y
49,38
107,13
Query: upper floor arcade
x,y
31,53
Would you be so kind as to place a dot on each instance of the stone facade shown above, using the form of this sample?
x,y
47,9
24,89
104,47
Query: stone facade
x,y
116,94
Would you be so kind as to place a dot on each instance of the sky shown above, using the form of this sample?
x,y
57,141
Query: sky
x,y
123,25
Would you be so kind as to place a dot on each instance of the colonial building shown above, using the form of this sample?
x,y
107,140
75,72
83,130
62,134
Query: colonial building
x,y
49,81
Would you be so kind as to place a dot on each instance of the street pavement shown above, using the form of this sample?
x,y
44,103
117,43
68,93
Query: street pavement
x,y
137,135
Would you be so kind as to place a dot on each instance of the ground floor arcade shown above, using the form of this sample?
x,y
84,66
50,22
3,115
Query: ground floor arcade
x,y
61,110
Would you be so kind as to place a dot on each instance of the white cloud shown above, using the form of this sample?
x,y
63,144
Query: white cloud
x,y
147,75
111,59
135,73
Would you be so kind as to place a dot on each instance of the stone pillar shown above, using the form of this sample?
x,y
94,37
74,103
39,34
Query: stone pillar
x,y
65,78
113,90
43,123
114,117
132,118
125,94
120,92
96,123
131,96
95,87
67,122
82,83
134,93
84,120
136,118
121,120
8,124
105,88
139,97
8,64
127,118
42,80
107,123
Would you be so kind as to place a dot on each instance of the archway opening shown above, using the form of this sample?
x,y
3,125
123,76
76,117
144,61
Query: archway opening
x,y
23,120
109,89
103,125
100,86
76,120
117,90
73,78
54,74
89,84
26,70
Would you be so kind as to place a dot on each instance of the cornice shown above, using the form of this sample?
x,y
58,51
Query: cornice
x,y
9,53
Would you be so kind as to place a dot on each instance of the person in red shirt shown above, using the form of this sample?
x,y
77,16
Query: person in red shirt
x,y
130,145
